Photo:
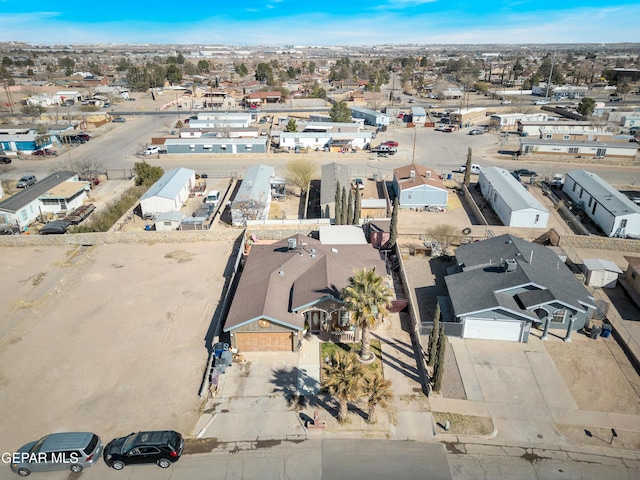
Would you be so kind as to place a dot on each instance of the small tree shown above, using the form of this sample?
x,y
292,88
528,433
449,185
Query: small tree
x,y
343,378
393,229
343,207
292,126
356,209
433,338
340,112
467,170
586,107
350,208
300,172
338,204
378,392
439,369
146,174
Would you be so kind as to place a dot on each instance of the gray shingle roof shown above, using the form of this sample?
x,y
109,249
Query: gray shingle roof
x,y
538,268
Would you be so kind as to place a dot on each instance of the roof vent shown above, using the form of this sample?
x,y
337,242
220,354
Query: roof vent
x,y
510,265
428,174
412,174
292,243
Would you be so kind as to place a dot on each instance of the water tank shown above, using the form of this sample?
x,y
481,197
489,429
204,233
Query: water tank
x,y
292,244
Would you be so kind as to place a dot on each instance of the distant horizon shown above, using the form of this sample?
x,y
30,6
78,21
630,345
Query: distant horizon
x,y
331,24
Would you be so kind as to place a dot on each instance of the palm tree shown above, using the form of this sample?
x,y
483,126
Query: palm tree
x,y
367,298
378,392
343,379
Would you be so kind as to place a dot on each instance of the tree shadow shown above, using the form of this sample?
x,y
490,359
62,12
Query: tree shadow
x,y
299,389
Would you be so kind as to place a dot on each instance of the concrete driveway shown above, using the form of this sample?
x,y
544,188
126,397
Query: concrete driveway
x,y
519,386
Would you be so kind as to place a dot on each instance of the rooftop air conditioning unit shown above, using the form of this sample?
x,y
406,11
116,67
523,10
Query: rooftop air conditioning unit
x,y
510,265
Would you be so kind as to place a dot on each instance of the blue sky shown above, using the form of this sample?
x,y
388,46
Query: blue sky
x,y
296,22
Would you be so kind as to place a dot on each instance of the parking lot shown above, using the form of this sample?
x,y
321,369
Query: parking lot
x,y
109,338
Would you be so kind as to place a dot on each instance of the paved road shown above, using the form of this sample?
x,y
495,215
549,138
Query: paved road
x,y
335,459
115,146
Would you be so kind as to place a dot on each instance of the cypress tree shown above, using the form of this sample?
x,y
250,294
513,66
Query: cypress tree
x,y
349,219
356,210
343,210
439,373
338,208
433,338
393,230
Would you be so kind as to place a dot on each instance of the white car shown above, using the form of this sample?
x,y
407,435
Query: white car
x,y
540,102
505,102
151,151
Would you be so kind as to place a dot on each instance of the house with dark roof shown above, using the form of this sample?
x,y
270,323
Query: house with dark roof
x,y
418,186
56,193
293,284
503,286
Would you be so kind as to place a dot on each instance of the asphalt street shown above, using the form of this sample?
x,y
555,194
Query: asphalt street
x,y
115,146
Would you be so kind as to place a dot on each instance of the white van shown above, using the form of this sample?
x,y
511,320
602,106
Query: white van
x,y
213,196
475,168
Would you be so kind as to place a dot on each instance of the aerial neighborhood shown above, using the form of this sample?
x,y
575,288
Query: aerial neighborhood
x,y
294,243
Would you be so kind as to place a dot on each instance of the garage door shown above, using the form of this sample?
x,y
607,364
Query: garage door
x,y
265,342
493,329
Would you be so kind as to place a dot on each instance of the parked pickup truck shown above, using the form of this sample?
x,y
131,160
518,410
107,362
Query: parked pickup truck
x,y
384,149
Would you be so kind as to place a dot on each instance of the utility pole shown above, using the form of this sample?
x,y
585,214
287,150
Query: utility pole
x,y
553,61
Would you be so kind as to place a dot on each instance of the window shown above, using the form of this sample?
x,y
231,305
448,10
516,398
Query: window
x,y
343,318
623,223
574,187
573,150
167,223
408,194
633,275
537,219
590,201
558,315
548,136
566,137
249,147
601,152
581,192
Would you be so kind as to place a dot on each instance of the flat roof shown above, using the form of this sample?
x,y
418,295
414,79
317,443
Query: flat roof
x,y
64,190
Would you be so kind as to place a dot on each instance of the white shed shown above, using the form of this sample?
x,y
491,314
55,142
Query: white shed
x,y
169,220
169,193
601,273
513,204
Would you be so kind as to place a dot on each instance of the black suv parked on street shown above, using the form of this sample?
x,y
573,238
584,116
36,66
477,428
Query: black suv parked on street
x,y
160,447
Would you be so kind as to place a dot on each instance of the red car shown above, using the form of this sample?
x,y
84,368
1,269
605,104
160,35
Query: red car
x,y
44,152
391,143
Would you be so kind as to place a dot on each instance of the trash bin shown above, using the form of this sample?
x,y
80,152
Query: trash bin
x,y
448,176
595,331
606,331
147,227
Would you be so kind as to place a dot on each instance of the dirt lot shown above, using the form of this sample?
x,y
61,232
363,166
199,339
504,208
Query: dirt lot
x,y
597,373
108,339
